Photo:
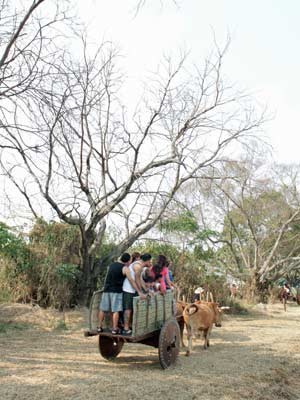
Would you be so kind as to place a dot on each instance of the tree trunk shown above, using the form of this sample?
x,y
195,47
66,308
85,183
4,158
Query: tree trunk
x,y
258,291
91,269
87,284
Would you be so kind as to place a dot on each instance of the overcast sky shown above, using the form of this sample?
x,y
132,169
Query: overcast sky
x,y
263,56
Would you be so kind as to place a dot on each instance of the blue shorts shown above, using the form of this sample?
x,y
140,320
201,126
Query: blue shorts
x,y
111,302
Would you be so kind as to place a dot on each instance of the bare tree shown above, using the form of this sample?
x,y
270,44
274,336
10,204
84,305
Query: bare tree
x,y
141,3
261,213
84,155
25,46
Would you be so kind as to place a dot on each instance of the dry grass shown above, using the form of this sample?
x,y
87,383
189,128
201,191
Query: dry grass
x,y
254,357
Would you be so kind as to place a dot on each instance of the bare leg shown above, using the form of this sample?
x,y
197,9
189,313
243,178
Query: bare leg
x,y
284,303
115,320
101,316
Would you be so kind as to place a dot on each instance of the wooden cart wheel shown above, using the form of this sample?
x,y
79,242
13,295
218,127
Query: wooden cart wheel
x,y
169,342
110,347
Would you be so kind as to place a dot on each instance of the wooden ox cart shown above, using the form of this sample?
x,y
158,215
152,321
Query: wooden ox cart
x,y
154,324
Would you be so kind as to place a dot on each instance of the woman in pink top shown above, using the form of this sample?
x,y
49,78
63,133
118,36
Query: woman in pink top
x,y
160,272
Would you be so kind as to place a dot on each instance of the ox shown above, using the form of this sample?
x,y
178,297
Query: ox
x,y
200,317
180,306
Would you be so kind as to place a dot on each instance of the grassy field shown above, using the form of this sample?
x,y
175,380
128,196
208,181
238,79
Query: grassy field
x,y
251,357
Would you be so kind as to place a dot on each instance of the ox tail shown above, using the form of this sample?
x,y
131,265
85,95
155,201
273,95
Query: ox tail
x,y
190,309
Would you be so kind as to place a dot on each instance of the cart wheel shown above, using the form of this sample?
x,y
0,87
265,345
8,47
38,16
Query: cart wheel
x,y
169,342
109,347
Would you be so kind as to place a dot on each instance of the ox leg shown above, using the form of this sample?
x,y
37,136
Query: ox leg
x,y
206,340
208,336
190,340
181,327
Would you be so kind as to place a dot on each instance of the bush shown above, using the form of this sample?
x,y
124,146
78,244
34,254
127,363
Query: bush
x,y
43,270
15,263
236,307
65,279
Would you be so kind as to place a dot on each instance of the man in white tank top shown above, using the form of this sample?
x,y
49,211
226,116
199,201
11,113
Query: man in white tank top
x,y
129,292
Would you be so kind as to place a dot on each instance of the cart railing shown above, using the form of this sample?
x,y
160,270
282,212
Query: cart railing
x,y
94,309
148,314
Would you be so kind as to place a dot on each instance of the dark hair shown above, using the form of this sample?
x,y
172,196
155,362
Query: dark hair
x,y
125,257
162,260
146,257
157,268
135,256
148,278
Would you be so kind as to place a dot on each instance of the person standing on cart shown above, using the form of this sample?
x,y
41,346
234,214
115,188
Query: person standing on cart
x,y
112,296
131,290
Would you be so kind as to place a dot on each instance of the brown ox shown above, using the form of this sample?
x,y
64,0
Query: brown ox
x,y
200,317
180,306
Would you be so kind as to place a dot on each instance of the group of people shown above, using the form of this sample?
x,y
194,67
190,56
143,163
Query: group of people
x,y
133,275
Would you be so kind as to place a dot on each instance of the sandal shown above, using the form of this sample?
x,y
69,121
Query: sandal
x,y
115,331
99,329
127,331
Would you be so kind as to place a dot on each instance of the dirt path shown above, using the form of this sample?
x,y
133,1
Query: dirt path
x,y
255,357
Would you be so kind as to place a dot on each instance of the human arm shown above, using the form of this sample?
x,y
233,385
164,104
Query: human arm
x,y
138,280
144,279
126,272
169,282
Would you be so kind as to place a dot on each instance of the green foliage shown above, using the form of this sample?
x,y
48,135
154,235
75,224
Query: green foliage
x,y
66,272
55,249
184,223
5,293
205,234
236,307
56,240
251,229
14,248
45,269
201,254
15,265
156,247
188,270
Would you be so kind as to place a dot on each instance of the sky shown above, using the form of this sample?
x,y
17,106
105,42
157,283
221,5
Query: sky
x,y
263,56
